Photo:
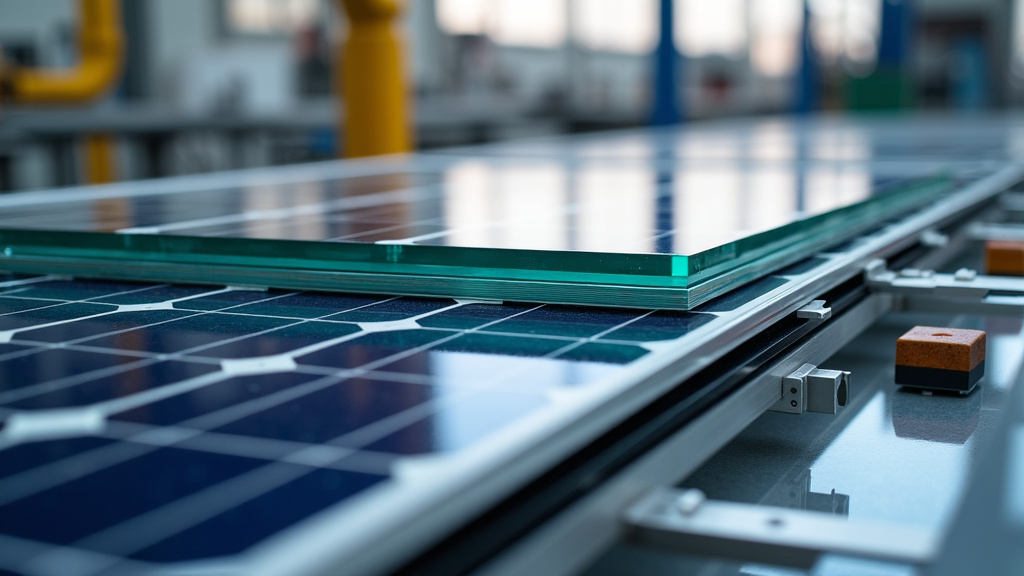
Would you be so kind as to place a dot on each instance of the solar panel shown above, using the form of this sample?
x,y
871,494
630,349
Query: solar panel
x,y
171,395
171,423
223,428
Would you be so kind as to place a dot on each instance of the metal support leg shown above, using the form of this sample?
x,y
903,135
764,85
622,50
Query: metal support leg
x,y
684,521
965,291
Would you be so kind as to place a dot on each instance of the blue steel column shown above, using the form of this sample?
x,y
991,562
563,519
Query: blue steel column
x,y
807,82
667,109
894,41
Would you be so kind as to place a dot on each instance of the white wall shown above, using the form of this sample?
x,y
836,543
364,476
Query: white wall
x,y
39,21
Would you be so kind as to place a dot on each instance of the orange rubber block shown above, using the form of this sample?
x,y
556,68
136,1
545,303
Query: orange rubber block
x,y
940,358
1004,258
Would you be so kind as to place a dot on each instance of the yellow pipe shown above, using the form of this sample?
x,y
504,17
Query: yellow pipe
x,y
376,118
99,159
100,55
99,66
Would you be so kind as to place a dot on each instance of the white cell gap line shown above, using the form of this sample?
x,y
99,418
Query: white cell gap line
x,y
378,429
269,362
36,309
387,228
258,365
51,385
41,478
201,295
19,353
350,203
54,474
240,337
233,289
172,518
268,449
324,317
595,337
33,280
315,455
414,239
255,447
234,412
186,314
39,559
7,335
153,306
50,425
18,295
88,420
156,394
236,179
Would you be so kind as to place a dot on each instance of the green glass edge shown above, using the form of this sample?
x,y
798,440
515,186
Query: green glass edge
x,y
827,228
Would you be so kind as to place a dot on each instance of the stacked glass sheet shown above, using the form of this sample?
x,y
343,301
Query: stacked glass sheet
x,y
643,233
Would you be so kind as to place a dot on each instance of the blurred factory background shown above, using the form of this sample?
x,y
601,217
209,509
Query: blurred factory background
x,y
210,85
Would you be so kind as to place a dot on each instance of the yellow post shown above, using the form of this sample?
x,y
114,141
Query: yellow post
x,y
376,115
99,159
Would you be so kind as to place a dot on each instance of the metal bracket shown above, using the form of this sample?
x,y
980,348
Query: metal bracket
x,y
811,389
815,310
966,290
685,521
1012,201
996,231
932,238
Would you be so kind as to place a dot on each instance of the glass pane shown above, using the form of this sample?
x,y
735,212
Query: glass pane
x,y
579,232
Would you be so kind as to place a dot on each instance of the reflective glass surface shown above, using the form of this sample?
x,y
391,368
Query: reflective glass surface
x,y
640,219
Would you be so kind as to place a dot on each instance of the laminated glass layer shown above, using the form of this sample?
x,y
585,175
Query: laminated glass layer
x,y
670,224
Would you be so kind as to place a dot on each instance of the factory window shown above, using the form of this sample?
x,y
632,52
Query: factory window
x,y
846,31
775,30
534,23
615,25
706,28
270,17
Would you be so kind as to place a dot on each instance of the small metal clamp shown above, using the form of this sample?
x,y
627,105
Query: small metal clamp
x,y
811,389
815,310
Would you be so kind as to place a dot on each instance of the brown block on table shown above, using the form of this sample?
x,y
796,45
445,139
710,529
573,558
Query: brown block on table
x,y
940,358
1004,258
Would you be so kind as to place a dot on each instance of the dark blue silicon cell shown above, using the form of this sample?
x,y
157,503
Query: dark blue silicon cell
x,y
118,385
308,305
55,364
112,495
40,316
179,335
109,323
460,423
371,347
329,413
245,525
27,456
282,340
212,397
